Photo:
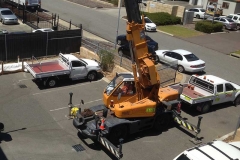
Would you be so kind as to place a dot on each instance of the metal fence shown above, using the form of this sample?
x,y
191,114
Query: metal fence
x,y
39,44
36,19
167,71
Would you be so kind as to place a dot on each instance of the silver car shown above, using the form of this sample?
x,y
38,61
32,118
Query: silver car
x,y
227,22
7,16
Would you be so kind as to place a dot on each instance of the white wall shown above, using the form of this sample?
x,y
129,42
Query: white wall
x,y
231,8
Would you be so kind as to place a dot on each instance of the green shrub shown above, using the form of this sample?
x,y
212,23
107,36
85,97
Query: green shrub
x,y
208,26
163,18
107,60
115,2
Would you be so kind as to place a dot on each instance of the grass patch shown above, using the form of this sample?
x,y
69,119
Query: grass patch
x,y
179,31
237,52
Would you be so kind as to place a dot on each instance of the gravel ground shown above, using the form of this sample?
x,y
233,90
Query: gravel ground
x,y
91,4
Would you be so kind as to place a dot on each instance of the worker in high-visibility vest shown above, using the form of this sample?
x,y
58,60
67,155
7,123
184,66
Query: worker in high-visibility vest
x,y
74,111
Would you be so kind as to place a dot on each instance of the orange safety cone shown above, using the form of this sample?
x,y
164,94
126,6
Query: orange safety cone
x,y
102,124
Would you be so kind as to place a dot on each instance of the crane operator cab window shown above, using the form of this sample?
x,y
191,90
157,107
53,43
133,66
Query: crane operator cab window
x,y
117,80
126,88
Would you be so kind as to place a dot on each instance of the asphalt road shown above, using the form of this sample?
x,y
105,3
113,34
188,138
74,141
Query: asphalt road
x,y
103,22
37,127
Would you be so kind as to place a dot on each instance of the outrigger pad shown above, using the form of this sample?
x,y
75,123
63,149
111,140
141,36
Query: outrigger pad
x,y
195,141
87,113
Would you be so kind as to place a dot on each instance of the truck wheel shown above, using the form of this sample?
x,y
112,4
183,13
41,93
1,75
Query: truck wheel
x,y
52,82
118,132
92,75
205,107
161,122
237,101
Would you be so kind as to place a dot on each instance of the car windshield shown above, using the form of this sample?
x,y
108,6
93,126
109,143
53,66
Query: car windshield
x,y
6,12
191,57
202,10
149,39
229,20
147,20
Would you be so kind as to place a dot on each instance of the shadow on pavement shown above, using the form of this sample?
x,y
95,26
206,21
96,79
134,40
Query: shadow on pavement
x,y
193,111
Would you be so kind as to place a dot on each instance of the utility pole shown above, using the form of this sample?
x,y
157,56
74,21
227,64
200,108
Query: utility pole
x,y
118,22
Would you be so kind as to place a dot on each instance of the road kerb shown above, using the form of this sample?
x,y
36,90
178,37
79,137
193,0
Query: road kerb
x,y
165,33
235,55
225,136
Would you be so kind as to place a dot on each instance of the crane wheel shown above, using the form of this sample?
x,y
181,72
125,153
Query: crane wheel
x,y
161,122
118,132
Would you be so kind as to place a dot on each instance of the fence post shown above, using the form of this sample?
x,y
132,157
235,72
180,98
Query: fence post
x,y
23,14
57,21
70,24
47,45
6,46
52,20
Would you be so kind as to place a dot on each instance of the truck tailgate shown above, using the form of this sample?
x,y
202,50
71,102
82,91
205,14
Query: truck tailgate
x,y
47,69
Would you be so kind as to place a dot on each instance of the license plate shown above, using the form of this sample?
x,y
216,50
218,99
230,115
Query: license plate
x,y
187,98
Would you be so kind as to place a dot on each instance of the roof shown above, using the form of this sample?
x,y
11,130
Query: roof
x,y
182,51
4,9
70,57
217,150
214,79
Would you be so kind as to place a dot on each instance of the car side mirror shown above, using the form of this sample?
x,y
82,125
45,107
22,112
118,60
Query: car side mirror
x,y
234,89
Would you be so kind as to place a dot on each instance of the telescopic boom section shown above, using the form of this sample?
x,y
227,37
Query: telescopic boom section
x,y
148,76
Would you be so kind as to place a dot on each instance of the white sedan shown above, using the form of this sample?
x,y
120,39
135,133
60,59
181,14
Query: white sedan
x,y
185,60
199,13
149,25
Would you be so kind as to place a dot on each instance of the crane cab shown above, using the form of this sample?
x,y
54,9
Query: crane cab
x,y
122,83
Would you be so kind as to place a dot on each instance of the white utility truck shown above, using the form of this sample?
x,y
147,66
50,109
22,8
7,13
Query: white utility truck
x,y
204,91
31,4
67,66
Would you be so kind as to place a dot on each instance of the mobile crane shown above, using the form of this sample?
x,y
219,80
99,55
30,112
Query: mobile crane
x,y
146,106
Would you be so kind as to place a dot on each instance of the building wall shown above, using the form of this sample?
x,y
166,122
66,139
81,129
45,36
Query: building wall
x,y
237,9
175,10
231,8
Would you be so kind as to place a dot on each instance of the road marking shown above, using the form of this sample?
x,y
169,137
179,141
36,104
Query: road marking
x,y
74,86
22,80
75,105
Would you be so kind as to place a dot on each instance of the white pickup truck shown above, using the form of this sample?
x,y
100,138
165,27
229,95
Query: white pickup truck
x,y
204,91
67,66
